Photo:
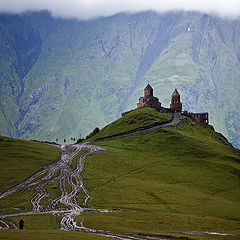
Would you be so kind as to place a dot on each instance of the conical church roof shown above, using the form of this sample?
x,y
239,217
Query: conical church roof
x,y
148,87
175,93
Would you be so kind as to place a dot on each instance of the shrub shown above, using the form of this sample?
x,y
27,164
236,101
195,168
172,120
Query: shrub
x,y
79,140
94,132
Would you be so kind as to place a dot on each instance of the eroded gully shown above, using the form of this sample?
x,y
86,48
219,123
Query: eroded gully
x,y
67,204
70,183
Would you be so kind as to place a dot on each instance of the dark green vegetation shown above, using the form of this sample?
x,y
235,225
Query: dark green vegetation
x,y
93,133
90,135
53,69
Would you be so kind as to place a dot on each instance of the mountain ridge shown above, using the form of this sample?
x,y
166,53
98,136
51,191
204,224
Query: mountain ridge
x,y
85,73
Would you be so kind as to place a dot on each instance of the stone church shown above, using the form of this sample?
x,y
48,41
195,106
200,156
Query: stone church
x,y
149,100
175,106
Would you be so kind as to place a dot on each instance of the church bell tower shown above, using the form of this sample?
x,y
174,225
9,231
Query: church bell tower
x,y
176,103
148,91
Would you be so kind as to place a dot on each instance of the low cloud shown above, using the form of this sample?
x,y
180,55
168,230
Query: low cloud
x,y
87,9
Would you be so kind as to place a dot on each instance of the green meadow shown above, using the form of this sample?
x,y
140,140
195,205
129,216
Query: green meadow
x,y
42,227
174,180
180,179
20,159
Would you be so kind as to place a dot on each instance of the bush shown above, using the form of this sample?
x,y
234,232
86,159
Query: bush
x,y
94,132
79,140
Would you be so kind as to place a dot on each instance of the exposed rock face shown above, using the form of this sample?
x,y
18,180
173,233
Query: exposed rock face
x,y
60,78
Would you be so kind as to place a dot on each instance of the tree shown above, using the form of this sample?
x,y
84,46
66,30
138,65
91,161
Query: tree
x,y
79,140
94,132
64,140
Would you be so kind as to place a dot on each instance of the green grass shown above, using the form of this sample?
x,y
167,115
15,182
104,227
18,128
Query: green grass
x,y
40,227
46,235
20,159
37,221
137,222
53,192
74,161
68,187
180,179
20,201
140,117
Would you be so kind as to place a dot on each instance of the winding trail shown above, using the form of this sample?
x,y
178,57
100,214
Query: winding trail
x,y
151,128
62,173
70,184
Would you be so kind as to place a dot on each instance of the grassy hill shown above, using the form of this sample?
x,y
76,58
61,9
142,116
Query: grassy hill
x,y
140,117
181,179
52,69
162,182
20,159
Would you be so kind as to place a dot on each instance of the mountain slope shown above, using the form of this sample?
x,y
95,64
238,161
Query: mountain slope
x,y
178,179
138,118
61,77
20,159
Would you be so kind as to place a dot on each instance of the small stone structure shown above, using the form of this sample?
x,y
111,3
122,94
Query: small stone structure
x,y
149,100
176,104
200,117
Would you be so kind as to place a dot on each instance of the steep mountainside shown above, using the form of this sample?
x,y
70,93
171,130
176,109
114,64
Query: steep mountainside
x,y
60,78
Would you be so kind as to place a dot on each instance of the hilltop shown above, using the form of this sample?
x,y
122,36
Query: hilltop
x,y
178,178
173,177
62,77
139,118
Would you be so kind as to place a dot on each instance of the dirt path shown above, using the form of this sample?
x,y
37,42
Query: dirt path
x,y
62,173
137,131
70,184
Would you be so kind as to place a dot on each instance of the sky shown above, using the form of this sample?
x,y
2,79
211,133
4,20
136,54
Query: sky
x,y
87,9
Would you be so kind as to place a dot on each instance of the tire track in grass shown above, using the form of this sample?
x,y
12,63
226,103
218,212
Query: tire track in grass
x,y
70,177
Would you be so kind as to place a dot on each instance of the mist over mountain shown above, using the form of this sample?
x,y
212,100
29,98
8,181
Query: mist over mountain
x,y
60,78
90,9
